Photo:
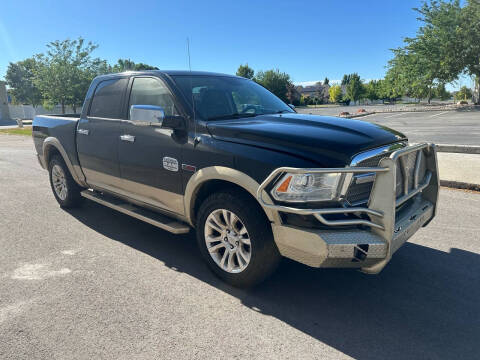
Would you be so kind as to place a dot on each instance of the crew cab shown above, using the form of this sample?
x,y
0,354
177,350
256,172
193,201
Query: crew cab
x,y
254,179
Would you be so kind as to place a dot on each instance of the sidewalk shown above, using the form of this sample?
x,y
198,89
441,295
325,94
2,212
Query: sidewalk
x,y
459,170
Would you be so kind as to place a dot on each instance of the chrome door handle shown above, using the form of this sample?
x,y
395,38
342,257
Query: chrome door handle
x,y
83,131
130,138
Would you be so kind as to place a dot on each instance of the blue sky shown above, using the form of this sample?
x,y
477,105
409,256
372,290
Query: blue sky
x,y
307,39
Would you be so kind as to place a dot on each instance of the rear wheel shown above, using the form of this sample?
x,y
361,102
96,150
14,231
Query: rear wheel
x,y
65,189
235,239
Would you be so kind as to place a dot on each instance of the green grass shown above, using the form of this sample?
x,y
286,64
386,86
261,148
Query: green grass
x,y
18,131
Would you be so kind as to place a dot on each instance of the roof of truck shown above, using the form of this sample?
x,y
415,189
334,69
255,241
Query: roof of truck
x,y
167,72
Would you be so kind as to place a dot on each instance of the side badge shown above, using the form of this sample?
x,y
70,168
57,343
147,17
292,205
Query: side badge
x,y
170,164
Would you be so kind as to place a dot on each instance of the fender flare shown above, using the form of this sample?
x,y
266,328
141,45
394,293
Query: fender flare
x,y
227,174
75,170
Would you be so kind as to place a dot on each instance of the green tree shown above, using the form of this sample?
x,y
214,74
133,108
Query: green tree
x,y
354,88
129,65
469,37
64,73
326,81
442,93
245,71
372,90
20,78
275,81
464,93
335,93
346,79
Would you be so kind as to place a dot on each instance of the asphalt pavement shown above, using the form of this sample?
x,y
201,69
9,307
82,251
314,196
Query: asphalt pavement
x,y
461,127
92,283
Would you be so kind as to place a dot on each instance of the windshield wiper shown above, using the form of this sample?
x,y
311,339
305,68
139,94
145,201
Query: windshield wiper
x,y
231,116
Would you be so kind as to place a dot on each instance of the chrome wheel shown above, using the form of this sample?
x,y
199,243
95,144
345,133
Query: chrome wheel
x,y
59,182
227,241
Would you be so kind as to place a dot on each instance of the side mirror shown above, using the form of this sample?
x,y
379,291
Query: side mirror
x,y
292,106
175,122
147,115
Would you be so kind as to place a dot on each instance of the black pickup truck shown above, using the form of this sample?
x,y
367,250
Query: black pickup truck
x,y
256,180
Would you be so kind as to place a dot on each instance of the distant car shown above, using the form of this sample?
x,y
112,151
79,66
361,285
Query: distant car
x,y
256,180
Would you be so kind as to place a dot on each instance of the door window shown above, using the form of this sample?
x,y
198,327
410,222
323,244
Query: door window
x,y
107,100
150,91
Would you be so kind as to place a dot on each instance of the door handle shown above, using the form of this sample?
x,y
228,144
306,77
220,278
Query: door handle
x,y
129,138
83,131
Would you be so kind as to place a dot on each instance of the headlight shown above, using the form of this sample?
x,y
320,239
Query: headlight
x,y
307,187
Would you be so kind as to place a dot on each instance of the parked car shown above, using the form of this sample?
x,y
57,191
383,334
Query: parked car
x,y
254,179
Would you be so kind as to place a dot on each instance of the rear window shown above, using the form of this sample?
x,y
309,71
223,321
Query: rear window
x,y
107,100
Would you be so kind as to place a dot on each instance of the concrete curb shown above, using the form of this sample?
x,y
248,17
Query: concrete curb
x,y
449,108
460,185
463,149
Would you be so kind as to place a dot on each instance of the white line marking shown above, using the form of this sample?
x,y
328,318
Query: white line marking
x,y
387,117
439,114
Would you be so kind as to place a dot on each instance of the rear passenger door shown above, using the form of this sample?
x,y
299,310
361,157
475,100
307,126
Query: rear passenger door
x,y
150,156
98,135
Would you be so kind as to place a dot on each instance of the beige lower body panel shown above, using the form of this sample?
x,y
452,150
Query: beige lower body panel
x,y
141,193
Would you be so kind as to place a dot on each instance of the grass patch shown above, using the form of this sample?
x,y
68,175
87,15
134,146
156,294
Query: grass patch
x,y
18,131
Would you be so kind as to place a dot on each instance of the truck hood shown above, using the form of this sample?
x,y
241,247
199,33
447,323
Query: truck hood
x,y
327,141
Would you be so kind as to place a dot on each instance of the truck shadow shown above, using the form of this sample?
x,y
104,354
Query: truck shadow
x,y
425,304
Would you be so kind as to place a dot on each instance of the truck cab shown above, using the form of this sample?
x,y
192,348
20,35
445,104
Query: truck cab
x,y
222,155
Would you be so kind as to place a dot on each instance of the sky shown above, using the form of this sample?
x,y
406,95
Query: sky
x,y
309,40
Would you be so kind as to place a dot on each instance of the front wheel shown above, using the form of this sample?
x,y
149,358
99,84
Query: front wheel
x,y
65,189
235,239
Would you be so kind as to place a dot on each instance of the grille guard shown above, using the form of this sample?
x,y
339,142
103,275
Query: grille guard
x,y
382,204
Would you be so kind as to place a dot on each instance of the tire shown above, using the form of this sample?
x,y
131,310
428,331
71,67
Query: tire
x,y
65,189
231,256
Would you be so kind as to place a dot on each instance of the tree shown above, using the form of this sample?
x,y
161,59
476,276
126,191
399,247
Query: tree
x,y
19,77
442,93
65,72
372,90
354,87
463,94
335,93
469,36
346,79
275,81
129,65
245,71
326,81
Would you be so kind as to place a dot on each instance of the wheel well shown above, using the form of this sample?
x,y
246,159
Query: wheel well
x,y
49,152
211,186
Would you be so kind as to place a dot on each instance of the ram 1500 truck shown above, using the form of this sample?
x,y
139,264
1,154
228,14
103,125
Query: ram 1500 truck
x,y
256,180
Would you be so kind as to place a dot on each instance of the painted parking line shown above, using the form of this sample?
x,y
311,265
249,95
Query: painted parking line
x,y
394,115
444,112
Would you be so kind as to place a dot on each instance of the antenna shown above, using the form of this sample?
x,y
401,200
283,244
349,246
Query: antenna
x,y
193,98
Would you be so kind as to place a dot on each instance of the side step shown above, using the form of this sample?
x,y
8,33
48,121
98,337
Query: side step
x,y
156,219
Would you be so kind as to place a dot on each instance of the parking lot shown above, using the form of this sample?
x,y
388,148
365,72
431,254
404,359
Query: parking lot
x,y
443,127
92,283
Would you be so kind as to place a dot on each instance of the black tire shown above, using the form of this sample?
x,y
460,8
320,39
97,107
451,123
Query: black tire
x,y
73,197
264,256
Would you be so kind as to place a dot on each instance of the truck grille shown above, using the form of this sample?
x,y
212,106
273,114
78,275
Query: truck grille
x,y
360,193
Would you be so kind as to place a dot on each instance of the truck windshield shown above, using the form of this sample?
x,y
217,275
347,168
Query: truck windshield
x,y
224,97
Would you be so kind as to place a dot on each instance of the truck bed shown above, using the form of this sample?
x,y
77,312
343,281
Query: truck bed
x,y
62,128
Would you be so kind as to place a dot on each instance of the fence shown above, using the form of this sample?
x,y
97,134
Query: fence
x,y
28,112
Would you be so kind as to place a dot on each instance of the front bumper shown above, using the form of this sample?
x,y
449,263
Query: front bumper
x,y
367,244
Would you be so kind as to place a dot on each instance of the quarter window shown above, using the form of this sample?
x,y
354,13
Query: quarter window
x,y
150,91
107,100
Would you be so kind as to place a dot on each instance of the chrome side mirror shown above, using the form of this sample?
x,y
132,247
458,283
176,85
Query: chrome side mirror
x,y
147,115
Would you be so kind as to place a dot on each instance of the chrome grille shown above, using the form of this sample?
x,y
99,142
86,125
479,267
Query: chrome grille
x,y
359,193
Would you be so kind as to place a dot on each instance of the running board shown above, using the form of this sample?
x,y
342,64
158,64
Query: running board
x,y
153,218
